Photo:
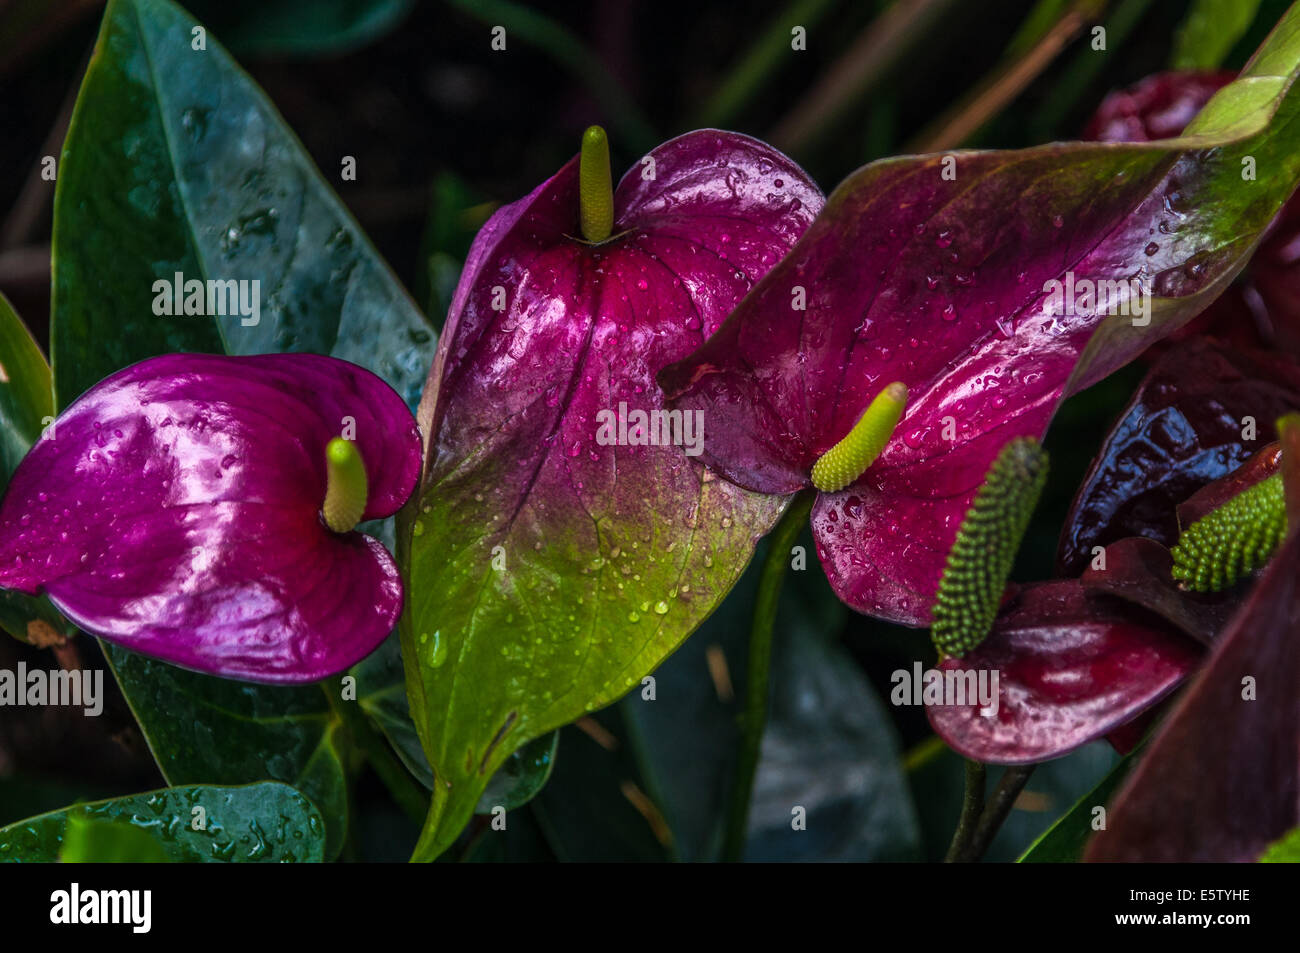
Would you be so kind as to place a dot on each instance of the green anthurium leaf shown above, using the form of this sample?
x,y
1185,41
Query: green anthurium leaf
x,y
176,163
199,727
263,822
300,27
1209,31
522,776
26,406
552,564
1065,840
1285,850
381,693
108,842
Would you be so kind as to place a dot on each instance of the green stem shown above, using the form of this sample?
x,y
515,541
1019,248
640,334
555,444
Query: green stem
x,y
999,805
972,805
436,836
759,665
409,794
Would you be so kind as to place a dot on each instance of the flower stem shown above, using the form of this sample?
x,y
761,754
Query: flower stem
x,y
409,794
754,717
972,804
999,805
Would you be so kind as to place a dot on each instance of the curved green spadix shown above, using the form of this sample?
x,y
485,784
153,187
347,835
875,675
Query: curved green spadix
x,y
847,460
980,560
1234,540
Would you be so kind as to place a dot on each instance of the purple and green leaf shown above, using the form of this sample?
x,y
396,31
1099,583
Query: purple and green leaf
x,y
554,563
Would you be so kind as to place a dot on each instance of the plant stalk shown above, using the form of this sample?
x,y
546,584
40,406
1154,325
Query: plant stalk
x,y
754,717
409,794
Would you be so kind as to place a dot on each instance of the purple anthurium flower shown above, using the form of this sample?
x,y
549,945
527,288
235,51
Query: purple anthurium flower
x,y
186,508
1082,658
564,523
986,287
1221,781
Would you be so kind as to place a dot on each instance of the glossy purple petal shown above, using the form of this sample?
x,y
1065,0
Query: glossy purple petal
x,y
1072,667
1221,781
174,509
1139,570
908,277
1183,429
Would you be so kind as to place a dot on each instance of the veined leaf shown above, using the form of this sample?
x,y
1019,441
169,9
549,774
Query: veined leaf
x,y
265,822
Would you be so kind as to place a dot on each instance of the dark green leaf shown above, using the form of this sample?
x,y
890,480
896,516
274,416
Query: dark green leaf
x,y
1065,840
201,728
176,162
108,842
829,745
594,810
523,775
300,27
26,406
257,822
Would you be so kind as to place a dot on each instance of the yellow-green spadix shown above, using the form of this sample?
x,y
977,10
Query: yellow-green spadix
x,y
346,486
847,460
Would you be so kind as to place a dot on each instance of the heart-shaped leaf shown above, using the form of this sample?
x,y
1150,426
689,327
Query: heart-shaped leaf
x,y
266,822
564,542
992,285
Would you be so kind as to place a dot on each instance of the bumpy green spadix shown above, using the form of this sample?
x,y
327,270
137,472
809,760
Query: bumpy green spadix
x,y
971,587
847,460
595,187
346,486
1234,540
